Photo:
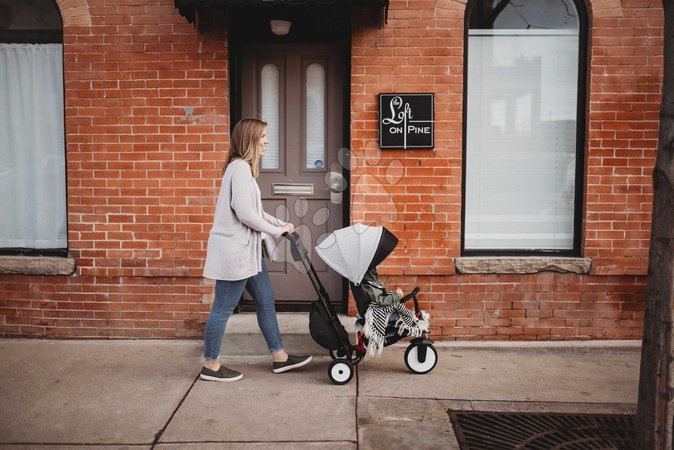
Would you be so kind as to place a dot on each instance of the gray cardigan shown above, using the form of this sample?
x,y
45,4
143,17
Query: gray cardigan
x,y
235,241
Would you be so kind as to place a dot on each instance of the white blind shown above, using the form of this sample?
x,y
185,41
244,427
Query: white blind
x,y
32,147
269,95
521,139
315,116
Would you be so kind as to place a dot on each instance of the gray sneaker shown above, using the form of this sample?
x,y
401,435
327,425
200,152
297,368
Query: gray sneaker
x,y
293,362
222,374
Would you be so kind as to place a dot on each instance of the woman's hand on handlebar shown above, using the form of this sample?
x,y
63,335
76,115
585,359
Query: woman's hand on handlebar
x,y
288,228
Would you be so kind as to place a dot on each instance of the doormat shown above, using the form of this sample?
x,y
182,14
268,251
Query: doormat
x,y
477,430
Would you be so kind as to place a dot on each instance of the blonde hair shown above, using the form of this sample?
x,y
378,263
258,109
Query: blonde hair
x,y
243,144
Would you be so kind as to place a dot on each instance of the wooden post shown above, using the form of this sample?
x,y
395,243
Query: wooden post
x,y
655,410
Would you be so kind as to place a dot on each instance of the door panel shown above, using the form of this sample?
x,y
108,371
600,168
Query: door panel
x,y
298,90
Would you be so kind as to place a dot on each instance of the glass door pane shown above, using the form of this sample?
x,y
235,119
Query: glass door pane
x,y
269,107
315,116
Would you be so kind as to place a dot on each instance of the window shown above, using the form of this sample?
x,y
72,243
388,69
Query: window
x,y
32,144
523,127
270,107
315,116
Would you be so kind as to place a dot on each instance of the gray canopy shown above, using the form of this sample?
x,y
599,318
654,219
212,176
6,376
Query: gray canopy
x,y
351,250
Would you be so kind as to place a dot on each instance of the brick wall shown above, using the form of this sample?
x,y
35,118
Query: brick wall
x,y
421,50
546,306
623,111
83,306
147,123
417,193
147,129
147,126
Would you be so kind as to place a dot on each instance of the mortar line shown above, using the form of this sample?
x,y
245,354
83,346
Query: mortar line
x,y
161,432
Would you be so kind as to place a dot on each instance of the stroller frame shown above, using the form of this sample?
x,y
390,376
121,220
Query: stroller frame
x,y
420,356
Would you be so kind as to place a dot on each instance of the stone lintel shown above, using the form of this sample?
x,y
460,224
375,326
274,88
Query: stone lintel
x,y
36,265
524,264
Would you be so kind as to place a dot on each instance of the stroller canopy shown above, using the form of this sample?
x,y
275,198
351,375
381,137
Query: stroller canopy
x,y
353,250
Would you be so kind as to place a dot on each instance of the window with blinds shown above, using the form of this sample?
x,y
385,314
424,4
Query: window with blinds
x,y
521,141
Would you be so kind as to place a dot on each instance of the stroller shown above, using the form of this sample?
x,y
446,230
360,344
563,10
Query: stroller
x,y
351,252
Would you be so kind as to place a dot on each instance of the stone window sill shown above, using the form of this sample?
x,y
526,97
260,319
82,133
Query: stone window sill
x,y
36,265
521,265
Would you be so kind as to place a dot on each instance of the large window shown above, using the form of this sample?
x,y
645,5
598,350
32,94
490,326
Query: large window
x,y
32,143
523,127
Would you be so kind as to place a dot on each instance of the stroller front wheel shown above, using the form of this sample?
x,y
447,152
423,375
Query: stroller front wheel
x,y
421,357
340,371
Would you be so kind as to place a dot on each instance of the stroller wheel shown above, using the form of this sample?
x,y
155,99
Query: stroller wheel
x,y
416,361
340,371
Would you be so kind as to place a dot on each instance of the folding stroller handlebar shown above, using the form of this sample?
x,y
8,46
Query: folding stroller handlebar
x,y
300,253
298,250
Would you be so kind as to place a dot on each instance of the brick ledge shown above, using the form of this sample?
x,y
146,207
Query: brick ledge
x,y
36,265
524,264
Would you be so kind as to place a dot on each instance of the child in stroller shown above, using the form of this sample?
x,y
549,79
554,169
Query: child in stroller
x,y
355,252
377,292
385,313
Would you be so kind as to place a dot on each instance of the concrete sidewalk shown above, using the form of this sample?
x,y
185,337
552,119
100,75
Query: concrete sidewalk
x,y
144,394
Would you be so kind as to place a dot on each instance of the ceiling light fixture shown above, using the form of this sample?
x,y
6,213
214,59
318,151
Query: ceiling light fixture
x,y
280,27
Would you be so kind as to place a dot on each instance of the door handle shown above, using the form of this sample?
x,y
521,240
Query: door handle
x,y
336,183
335,188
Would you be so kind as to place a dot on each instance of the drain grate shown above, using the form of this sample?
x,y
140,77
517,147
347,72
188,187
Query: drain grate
x,y
500,431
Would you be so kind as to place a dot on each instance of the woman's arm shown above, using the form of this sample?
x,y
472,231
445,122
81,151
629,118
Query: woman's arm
x,y
273,220
245,202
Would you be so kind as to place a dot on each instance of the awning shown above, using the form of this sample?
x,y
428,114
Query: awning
x,y
188,8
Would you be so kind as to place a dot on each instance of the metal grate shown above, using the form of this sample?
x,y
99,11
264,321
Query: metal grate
x,y
495,431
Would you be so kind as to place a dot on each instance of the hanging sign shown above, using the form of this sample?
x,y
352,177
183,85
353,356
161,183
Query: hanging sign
x,y
406,121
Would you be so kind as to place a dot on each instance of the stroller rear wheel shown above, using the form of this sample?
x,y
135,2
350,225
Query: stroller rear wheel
x,y
421,357
340,371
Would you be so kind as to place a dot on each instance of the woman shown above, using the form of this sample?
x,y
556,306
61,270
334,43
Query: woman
x,y
234,256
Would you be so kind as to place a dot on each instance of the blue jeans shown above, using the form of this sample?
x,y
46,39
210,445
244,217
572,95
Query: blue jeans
x,y
227,295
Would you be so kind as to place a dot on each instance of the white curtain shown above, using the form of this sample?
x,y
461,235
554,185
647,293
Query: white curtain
x,y
521,139
32,147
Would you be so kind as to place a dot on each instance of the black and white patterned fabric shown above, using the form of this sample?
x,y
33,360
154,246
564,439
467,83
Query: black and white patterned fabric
x,y
377,319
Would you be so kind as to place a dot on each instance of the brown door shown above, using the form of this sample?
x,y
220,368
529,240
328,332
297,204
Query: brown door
x,y
298,90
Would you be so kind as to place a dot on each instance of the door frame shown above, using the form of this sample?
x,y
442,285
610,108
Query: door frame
x,y
236,42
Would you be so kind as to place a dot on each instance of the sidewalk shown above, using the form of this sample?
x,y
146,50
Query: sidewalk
x,y
144,394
